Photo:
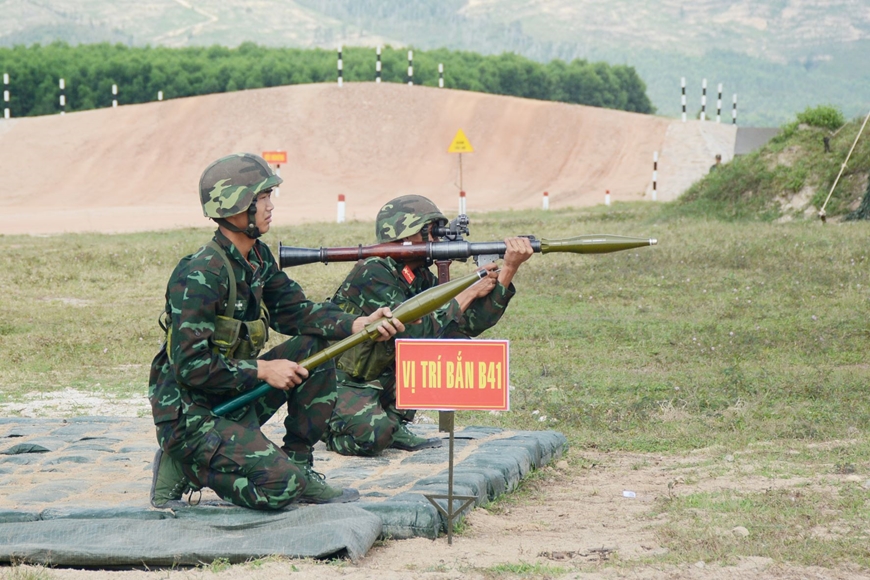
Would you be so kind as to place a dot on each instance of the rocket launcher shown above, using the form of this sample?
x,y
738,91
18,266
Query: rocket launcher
x,y
458,250
408,311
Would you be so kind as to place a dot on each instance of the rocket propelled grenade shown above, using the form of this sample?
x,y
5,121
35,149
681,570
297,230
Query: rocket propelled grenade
x,y
457,250
408,311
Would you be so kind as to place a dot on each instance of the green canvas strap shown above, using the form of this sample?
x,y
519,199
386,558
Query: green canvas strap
x,y
231,303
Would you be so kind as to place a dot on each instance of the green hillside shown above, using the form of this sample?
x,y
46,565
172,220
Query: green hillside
x,y
791,177
779,57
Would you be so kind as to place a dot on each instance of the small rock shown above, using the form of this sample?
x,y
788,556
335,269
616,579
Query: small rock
x,y
700,564
562,464
866,484
740,531
854,478
729,458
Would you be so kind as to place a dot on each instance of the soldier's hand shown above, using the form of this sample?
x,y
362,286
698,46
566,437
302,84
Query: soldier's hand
x,y
517,251
388,327
281,373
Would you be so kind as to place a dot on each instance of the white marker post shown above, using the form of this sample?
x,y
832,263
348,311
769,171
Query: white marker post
x,y
278,173
734,111
719,105
340,72
704,100
159,95
410,68
6,113
462,205
114,96
62,86
607,197
378,67
339,219
655,174
683,84
545,203
440,75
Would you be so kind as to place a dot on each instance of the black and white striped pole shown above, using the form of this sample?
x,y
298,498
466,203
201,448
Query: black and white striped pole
x,y
734,111
683,85
339,67
410,68
62,86
719,105
114,96
378,67
440,75
704,100
655,175
6,113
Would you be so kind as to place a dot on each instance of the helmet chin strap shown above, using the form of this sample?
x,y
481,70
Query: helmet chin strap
x,y
252,231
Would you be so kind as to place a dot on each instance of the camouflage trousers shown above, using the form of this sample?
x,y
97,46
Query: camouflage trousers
x,y
231,455
363,421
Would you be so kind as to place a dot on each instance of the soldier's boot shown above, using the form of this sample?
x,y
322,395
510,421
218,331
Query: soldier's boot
x,y
168,482
317,490
405,440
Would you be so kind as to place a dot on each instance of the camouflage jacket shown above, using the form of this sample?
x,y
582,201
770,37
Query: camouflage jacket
x,y
377,282
196,294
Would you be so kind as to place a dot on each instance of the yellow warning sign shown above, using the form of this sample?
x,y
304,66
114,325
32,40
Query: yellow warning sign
x,y
460,144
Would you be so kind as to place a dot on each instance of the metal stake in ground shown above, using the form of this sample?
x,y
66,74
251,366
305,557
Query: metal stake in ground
x,y
446,425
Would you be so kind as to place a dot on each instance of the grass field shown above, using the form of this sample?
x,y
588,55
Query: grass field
x,y
738,336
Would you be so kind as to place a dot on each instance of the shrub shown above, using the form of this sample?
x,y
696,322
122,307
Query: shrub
x,y
825,116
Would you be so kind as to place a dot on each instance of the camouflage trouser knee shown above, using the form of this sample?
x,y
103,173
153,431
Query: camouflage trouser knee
x,y
309,405
233,458
359,425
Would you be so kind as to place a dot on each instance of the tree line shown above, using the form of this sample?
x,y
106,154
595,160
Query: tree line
x,y
90,70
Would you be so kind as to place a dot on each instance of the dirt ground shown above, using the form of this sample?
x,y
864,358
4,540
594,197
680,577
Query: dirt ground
x,y
580,519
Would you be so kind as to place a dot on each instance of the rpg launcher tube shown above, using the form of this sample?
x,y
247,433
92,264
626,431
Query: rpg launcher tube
x,y
592,244
408,311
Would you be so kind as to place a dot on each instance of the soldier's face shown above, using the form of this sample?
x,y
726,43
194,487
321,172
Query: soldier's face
x,y
264,211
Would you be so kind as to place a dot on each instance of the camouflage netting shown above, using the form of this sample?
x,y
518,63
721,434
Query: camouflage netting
x,y
75,493
863,210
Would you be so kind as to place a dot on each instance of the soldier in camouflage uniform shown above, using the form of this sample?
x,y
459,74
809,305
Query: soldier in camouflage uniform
x,y
220,303
365,420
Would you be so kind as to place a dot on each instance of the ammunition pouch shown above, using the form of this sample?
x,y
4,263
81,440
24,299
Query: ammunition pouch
x,y
366,361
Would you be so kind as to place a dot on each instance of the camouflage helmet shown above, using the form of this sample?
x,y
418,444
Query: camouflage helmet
x,y
405,216
230,185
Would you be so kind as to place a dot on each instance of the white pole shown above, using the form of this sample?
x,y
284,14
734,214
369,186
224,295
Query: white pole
x,y
62,86
114,94
410,68
461,203
6,113
607,197
734,111
683,84
546,201
704,100
440,76
278,173
340,80
719,104
340,217
655,175
159,95
378,67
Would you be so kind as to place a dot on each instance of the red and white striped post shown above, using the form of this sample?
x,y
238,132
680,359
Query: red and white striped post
x,y
340,217
655,175
545,203
607,197
461,203
410,68
340,67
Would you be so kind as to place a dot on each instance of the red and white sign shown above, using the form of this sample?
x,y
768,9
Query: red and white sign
x,y
275,157
452,375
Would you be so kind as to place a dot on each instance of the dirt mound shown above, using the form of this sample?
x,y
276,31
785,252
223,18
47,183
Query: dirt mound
x,y
137,167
